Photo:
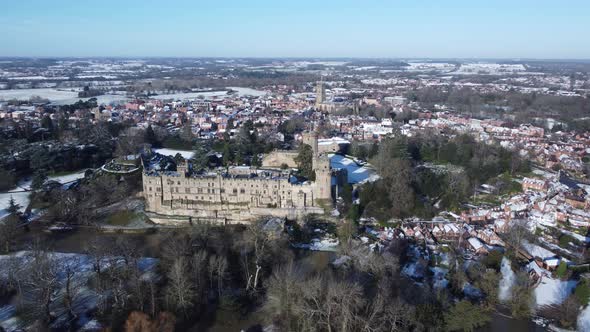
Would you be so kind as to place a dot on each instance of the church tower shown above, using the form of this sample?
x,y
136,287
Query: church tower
x,y
320,95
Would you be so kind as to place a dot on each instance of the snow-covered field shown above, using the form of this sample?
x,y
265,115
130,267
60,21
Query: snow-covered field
x,y
248,91
26,94
211,94
190,95
104,99
171,153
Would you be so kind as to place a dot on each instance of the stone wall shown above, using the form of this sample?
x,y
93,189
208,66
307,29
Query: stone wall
x,y
279,158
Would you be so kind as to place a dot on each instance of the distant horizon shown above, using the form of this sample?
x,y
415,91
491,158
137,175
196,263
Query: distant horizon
x,y
147,57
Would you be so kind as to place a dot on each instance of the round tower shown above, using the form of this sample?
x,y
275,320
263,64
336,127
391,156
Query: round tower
x,y
311,138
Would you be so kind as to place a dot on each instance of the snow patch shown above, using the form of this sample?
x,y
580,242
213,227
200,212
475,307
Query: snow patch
x,y
171,153
507,280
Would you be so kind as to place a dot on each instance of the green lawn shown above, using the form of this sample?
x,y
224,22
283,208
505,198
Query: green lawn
x,y
122,218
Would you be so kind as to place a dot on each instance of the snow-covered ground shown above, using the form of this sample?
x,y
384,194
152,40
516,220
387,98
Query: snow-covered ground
x,y
100,100
21,196
171,153
507,280
190,95
26,94
86,299
414,270
471,291
553,291
248,91
324,244
356,172
439,277
537,251
63,179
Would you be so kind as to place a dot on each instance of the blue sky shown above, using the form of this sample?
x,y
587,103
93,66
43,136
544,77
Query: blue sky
x,y
302,28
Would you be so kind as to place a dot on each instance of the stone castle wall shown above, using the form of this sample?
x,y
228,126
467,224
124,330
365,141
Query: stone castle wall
x,y
236,196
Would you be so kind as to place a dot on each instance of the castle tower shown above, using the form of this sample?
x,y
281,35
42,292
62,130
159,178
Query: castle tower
x,y
320,94
311,138
323,178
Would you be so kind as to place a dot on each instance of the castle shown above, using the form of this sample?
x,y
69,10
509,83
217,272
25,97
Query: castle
x,y
237,194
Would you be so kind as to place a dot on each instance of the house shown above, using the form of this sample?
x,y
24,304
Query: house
x,y
534,184
476,216
475,245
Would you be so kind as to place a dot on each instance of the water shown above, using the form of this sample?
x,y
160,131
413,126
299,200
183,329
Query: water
x,y
502,322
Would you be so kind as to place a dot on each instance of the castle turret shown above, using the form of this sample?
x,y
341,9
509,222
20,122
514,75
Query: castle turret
x,y
323,178
311,138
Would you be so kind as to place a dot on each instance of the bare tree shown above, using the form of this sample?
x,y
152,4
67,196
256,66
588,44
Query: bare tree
x,y
254,248
382,315
129,142
284,298
97,249
218,267
198,263
518,233
71,287
39,287
179,291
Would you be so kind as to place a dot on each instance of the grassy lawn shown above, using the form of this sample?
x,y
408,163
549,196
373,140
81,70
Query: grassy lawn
x,y
122,218
63,173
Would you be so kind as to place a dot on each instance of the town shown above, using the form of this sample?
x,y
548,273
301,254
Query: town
x,y
158,191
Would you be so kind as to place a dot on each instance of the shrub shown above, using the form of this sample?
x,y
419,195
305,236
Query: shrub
x,y
493,260
561,270
582,292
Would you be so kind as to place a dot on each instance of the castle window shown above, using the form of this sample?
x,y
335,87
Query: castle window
x,y
179,183
187,190
199,191
235,191
222,190
150,188
242,191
